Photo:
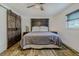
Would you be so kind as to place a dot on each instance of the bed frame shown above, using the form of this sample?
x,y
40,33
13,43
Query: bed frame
x,y
41,22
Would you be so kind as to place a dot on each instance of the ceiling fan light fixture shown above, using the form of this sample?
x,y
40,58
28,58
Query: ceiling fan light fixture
x,y
37,6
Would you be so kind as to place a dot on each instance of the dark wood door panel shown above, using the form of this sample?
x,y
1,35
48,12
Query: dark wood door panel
x,y
13,28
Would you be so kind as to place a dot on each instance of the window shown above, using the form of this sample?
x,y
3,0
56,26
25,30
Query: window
x,y
73,19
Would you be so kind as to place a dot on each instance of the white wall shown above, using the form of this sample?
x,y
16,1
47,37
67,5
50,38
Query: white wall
x,y
26,21
3,29
69,36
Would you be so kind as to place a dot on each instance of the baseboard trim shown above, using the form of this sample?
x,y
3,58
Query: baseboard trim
x,y
73,50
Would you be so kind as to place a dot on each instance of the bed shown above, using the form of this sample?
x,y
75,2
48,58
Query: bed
x,y
40,37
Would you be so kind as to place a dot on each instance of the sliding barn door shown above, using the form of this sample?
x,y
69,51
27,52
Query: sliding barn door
x,y
13,28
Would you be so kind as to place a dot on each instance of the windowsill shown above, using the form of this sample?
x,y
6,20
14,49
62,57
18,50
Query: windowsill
x,y
72,28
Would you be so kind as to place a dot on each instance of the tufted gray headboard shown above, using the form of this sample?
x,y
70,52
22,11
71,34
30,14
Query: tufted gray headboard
x,y
39,22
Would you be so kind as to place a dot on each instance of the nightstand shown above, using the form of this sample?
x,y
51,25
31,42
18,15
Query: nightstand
x,y
54,32
25,33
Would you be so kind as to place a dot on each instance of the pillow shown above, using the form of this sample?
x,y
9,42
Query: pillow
x,y
43,28
35,28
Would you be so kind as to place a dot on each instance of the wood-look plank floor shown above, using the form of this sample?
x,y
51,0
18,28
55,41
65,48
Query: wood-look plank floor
x,y
15,50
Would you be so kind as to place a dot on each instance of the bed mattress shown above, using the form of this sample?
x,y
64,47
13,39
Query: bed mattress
x,y
40,39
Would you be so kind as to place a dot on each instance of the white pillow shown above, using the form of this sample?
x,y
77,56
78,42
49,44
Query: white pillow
x,y
35,28
43,28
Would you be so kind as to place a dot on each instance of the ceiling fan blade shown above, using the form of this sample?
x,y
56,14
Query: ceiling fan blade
x,y
41,3
30,6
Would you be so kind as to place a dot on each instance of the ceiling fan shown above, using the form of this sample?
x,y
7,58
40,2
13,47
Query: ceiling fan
x,y
38,5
